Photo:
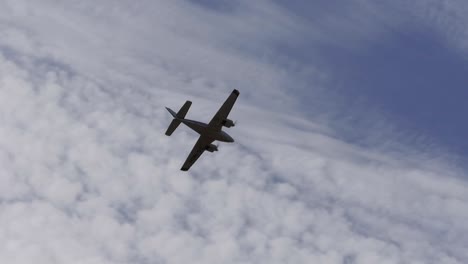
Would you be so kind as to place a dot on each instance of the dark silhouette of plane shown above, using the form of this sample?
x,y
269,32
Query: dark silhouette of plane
x,y
208,132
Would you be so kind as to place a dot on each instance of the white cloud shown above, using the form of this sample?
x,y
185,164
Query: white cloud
x,y
87,175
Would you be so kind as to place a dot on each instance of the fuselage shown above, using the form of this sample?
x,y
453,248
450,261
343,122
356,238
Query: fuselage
x,y
205,130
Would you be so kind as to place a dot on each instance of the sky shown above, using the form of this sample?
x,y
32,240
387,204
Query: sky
x,y
410,72
349,144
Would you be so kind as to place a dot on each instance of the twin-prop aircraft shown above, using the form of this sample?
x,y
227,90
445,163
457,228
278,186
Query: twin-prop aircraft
x,y
208,132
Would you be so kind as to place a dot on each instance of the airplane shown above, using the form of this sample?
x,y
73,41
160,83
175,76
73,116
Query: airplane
x,y
208,132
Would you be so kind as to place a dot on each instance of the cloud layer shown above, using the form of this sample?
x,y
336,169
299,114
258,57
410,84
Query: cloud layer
x,y
87,175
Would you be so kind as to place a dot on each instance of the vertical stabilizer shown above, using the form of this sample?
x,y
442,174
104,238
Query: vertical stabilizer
x,y
177,117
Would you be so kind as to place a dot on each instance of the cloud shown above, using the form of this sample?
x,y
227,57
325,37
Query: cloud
x,y
87,175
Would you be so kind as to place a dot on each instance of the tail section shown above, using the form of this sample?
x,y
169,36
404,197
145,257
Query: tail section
x,y
177,117
172,127
172,112
183,110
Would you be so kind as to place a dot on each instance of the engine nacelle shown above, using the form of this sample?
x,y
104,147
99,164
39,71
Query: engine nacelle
x,y
228,123
211,148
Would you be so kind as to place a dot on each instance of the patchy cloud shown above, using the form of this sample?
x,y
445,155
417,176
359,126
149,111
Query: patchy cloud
x,y
87,175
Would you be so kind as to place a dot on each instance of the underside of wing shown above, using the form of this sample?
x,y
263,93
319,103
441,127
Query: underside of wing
x,y
196,152
217,121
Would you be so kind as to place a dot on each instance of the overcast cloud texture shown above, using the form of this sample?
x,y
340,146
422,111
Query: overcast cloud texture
x,y
87,175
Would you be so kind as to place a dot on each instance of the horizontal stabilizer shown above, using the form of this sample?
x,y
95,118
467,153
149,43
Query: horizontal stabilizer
x,y
184,109
177,117
172,127
182,112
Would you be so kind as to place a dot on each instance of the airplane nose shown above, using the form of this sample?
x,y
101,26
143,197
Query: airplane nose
x,y
226,137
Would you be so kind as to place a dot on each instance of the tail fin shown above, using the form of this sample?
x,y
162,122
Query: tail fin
x,y
172,112
177,117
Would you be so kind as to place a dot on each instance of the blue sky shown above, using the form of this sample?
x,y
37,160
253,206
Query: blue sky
x,y
410,76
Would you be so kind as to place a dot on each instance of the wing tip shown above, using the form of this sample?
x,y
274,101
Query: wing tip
x,y
236,92
184,169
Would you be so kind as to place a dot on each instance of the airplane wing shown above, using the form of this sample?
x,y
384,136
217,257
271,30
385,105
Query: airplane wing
x,y
223,112
196,152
